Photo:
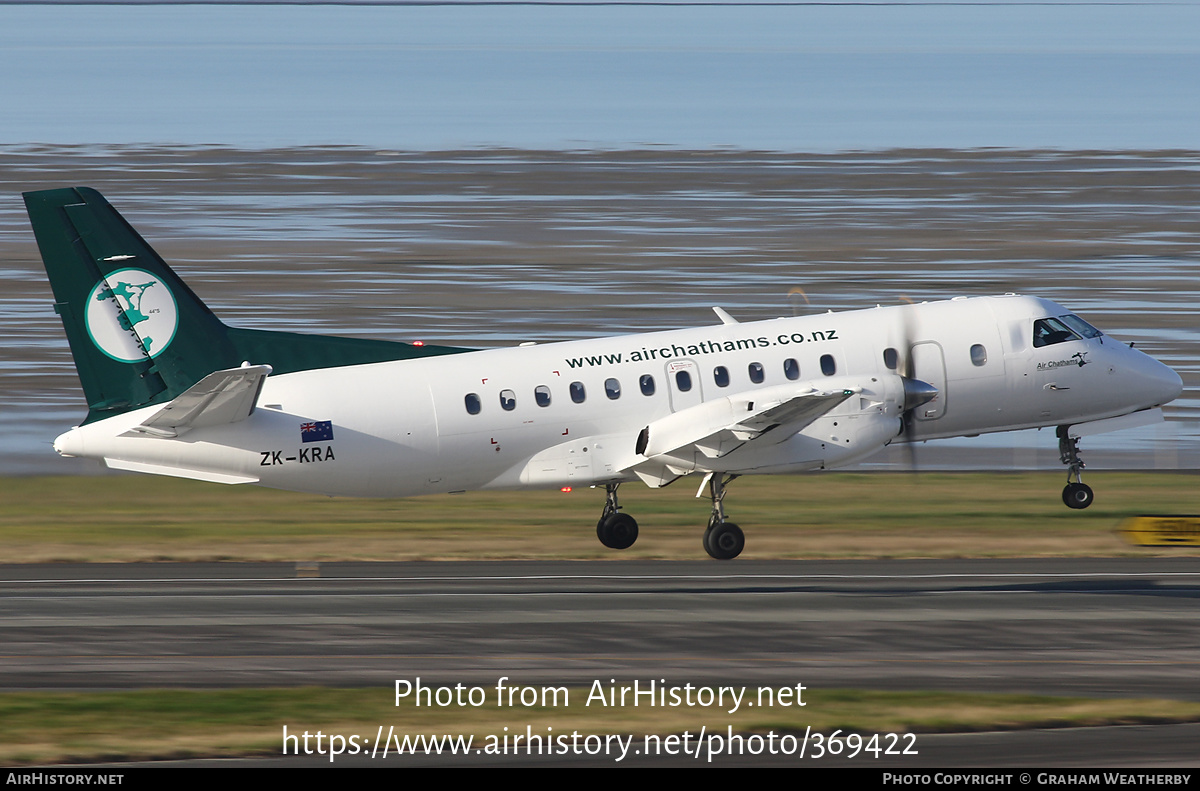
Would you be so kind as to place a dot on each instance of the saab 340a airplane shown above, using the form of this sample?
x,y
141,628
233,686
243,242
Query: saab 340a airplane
x,y
173,391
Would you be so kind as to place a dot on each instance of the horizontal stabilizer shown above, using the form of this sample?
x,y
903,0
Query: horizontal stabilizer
x,y
179,472
220,398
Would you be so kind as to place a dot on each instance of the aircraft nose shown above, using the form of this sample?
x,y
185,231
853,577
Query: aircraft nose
x,y
1150,382
1165,384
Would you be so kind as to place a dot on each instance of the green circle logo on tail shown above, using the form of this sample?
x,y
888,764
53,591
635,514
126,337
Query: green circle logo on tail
x,y
131,315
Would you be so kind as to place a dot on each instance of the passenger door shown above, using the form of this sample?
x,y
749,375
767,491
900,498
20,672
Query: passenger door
x,y
683,384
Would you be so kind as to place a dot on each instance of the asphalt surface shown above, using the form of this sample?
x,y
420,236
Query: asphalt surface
x,y
1107,627
1103,627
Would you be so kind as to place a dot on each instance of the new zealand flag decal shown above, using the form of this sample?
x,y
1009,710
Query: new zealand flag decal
x,y
320,431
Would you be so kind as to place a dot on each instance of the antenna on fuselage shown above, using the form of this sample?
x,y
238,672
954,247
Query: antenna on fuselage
x,y
793,291
724,316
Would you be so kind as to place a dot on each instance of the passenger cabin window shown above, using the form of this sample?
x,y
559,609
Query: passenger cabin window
x,y
1047,332
578,393
508,400
612,389
647,384
541,394
721,376
978,354
828,365
683,380
473,403
891,359
791,369
756,372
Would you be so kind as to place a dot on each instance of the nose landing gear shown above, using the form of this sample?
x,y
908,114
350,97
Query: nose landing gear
x,y
1076,494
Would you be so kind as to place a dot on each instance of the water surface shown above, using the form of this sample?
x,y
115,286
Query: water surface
x,y
484,248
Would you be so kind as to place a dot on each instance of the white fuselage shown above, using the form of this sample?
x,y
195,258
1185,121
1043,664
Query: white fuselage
x,y
406,428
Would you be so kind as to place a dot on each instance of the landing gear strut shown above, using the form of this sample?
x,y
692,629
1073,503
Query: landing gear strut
x,y
1076,494
615,529
722,540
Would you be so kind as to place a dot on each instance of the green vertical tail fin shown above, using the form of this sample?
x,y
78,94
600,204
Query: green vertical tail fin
x,y
138,334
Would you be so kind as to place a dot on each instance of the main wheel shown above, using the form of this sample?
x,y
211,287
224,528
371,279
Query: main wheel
x,y
618,531
724,541
1077,495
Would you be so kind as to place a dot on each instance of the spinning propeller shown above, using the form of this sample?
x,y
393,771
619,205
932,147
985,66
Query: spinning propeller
x,y
916,392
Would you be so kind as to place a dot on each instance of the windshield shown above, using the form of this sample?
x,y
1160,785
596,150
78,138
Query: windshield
x,y
1080,326
1049,331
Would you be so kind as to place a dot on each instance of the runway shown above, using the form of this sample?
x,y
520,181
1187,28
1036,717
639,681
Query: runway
x,y
1090,627
1108,627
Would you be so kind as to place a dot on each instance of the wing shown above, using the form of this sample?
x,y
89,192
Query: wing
x,y
717,428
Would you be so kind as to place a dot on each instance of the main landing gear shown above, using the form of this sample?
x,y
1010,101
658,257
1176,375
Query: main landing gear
x,y
1076,494
722,540
615,529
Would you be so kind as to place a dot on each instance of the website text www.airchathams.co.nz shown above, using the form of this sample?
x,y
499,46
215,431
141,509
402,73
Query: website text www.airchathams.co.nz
x,y
696,349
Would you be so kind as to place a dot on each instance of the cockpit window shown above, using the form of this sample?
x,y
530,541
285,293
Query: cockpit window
x,y
1080,326
1047,332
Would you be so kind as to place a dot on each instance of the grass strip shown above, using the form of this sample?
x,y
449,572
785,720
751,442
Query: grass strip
x,y
850,515
40,728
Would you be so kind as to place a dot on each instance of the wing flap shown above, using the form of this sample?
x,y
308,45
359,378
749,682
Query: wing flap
x,y
717,428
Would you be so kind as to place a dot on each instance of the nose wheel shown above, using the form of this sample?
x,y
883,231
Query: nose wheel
x,y
1076,494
